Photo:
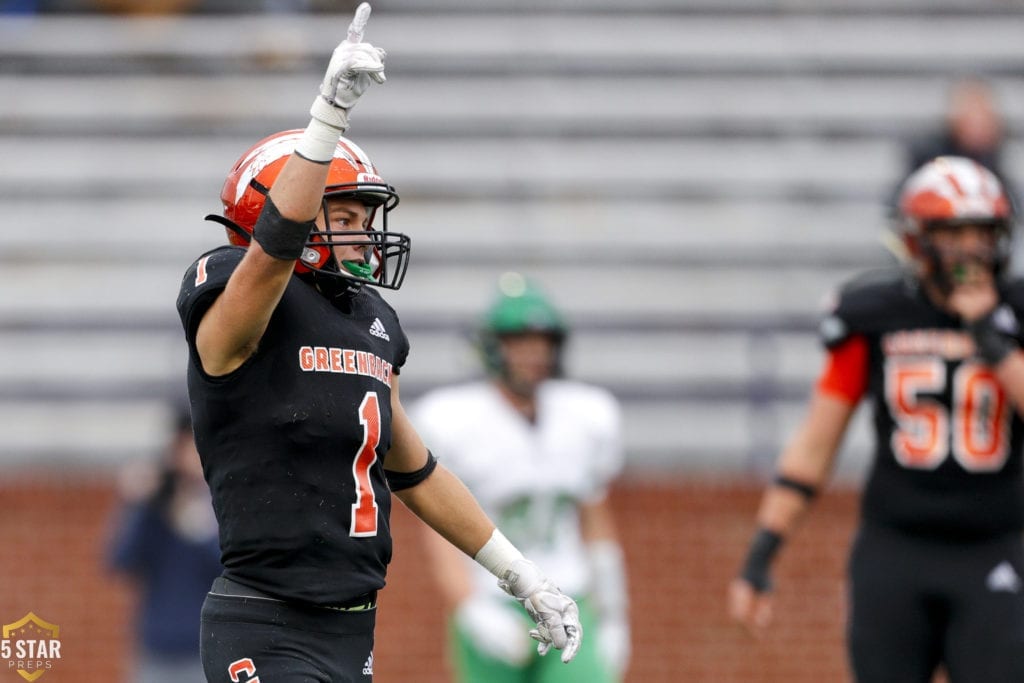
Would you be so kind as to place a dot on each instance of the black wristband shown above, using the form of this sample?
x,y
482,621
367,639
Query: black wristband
x,y
756,569
281,237
990,343
399,481
805,490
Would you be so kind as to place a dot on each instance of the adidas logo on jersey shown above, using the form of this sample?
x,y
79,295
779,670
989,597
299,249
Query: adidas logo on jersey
x,y
377,330
1003,579
368,666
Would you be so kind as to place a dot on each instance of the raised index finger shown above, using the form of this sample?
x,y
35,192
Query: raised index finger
x,y
358,26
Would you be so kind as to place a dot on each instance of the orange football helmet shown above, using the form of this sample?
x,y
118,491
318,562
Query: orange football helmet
x,y
952,191
351,174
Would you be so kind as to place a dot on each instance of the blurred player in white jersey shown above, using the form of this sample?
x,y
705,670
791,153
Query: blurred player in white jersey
x,y
538,452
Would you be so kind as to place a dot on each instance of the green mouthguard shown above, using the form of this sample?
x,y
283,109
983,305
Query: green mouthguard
x,y
363,271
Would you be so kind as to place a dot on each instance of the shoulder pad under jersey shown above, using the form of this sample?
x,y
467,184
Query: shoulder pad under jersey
x,y
859,303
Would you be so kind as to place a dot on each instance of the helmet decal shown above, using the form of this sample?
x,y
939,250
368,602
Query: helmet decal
x,y
254,163
953,188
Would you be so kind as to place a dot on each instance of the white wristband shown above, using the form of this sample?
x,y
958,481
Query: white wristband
x,y
318,142
498,554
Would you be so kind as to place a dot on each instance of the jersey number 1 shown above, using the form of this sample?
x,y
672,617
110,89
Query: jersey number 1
x,y
364,510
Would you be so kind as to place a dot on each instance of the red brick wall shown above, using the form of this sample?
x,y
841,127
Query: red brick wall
x,y
683,542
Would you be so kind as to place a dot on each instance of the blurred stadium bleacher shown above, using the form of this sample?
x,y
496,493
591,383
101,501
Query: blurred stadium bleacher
x,y
688,178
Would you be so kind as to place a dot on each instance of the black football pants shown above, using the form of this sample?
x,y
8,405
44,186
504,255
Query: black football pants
x,y
917,603
247,638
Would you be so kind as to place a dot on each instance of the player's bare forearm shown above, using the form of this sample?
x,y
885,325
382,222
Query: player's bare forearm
x,y
231,330
298,191
447,506
448,567
808,458
232,327
441,500
781,510
803,468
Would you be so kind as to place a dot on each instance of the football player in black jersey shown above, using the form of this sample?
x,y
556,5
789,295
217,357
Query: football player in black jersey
x,y
935,571
293,375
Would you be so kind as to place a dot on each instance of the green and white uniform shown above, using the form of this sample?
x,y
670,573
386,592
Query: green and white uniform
x,y
529,478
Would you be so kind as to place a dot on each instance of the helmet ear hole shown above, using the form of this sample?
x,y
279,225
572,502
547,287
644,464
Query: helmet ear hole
x,y
314,257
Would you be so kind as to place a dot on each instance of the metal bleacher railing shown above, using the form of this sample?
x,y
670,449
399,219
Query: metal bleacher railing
x,y
688,182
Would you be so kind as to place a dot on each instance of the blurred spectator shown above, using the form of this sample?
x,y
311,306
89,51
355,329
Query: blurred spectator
x,y
539,453
973,128
166,541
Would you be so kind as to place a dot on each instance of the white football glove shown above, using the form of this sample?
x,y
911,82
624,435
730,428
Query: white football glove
x,y
495,629
354,65
556,614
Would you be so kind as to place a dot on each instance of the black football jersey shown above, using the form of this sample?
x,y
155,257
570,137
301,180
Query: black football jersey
x,y
948,452
293,441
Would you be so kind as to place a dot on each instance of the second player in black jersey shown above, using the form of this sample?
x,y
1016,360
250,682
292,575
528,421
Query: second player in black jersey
x,y
293,377
951,435
935,347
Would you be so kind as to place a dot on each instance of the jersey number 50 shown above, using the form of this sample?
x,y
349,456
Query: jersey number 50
x,y
978,417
